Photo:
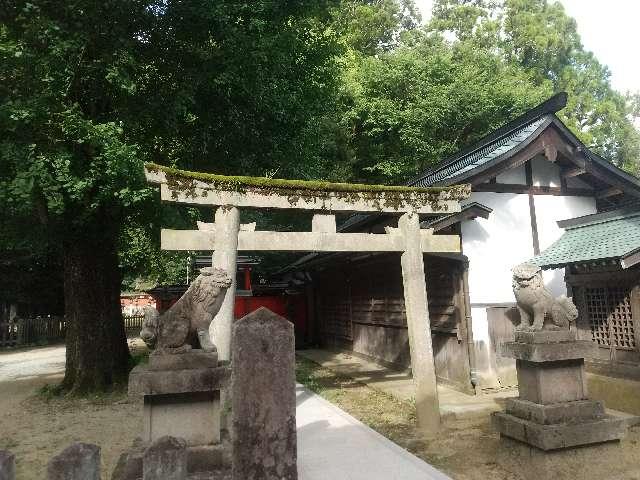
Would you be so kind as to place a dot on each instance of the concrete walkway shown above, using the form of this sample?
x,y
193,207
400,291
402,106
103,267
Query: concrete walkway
x,y
333,445
453,404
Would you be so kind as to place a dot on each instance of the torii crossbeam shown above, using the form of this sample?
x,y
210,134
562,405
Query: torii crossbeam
x,y
226,236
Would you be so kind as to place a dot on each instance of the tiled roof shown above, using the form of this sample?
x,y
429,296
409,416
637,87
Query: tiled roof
x,y
482,155
594,238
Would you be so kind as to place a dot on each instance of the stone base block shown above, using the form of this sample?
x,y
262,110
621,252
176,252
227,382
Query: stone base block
x,y
606,461
546,336
549,352
551,382
563,435
556,412
194,416
203,459
143,380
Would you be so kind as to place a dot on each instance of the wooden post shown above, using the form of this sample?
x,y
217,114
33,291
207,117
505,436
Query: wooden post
x,y
225,256
419,328
247,278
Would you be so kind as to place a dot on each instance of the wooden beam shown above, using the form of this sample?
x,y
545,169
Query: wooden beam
x,y
467,213
573,172
532,209
601,174
551,152
537,190
630,260
609,192
309,241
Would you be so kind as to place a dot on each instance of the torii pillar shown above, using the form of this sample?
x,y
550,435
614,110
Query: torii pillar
x,y
419,326
225,255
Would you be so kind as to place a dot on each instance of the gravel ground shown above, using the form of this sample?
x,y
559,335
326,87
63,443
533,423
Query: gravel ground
x,y
35,428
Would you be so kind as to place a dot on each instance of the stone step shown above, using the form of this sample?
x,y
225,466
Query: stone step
x,y
556,412
630,419
562,435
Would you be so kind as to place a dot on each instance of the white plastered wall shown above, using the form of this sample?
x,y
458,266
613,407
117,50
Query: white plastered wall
x,y
495,245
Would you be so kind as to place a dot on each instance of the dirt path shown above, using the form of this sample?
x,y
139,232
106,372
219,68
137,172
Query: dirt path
x,y
35,428
32,363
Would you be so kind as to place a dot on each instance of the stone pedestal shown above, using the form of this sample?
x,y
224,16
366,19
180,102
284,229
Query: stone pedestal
x,y
181,397
553,410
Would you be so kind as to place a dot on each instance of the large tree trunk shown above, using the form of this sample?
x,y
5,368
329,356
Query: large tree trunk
x,y
97,351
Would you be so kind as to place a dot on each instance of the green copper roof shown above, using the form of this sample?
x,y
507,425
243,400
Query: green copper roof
x,y
613,235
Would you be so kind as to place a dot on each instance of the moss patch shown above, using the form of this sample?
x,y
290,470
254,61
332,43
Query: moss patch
x,y
383,196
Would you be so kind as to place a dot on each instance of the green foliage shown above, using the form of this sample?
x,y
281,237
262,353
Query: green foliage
x,y
332,90
539,38
241,88
370,27
89,91
410,96
414,106
63,151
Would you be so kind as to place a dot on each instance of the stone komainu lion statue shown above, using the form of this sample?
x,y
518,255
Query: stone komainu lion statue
x,y
186,324
535,302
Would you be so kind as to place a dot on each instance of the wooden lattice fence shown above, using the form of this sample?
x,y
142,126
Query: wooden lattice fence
x,y
21,332
32,331
133,324
610,316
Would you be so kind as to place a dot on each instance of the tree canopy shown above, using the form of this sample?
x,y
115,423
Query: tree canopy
x,y
89,91
412,95
538,37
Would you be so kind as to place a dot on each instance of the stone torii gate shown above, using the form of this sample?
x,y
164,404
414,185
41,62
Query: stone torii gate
x,y
226,236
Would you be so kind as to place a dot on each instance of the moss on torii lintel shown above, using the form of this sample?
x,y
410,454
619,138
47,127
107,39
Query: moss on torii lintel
x,y
241,182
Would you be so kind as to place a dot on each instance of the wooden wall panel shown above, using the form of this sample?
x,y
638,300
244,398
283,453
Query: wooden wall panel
x,y
363,302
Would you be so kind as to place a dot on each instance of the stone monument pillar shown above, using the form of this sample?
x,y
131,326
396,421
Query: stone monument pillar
x,y
553,410
263,389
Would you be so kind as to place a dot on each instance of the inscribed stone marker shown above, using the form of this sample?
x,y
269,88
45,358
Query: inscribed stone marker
x,y
263,398
79,461
165,459
7,465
